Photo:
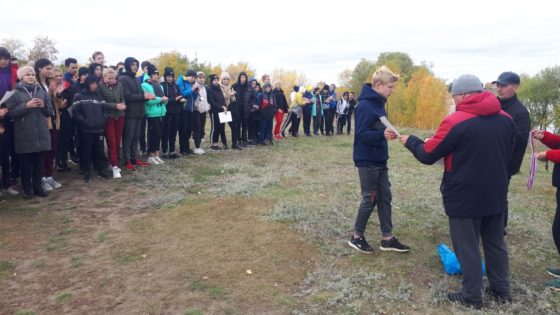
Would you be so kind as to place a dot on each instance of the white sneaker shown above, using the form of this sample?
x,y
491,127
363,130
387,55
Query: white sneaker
x,y
53,183
116,172
12,192
199,151
45,185
160,161
152,161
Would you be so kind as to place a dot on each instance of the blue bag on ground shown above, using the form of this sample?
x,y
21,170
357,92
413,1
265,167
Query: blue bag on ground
x,y
450,262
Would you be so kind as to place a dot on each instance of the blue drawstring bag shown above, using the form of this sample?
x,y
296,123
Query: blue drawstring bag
x,y
450,262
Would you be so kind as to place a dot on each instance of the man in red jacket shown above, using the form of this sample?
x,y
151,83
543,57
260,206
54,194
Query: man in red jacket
x,y
476,142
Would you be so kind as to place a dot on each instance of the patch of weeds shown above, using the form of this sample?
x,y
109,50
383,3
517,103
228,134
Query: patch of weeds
x,y
40,263
68,231
103,193
25,312
194,311
67,221
63,297
229,311
199,286
101,237
126,257
5,267
216,292
104,203
288,301
76,261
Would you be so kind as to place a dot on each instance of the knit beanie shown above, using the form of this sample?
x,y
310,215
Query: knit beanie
x,y
23,71
466,83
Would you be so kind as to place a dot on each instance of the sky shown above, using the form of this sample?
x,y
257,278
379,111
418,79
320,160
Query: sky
x,y
318,39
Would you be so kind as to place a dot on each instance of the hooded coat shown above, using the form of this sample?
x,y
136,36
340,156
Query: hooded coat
x,y
245,96
476,142
133,94
30,126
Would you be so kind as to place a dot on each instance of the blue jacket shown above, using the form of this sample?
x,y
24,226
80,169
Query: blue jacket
x,y
185,88
333,103
370,145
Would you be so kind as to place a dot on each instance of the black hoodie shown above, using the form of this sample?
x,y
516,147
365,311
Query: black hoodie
x,y
216,98
245,95
133,93
88,109
171,90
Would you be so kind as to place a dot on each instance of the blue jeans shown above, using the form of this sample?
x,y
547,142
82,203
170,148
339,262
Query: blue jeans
x,y
265,130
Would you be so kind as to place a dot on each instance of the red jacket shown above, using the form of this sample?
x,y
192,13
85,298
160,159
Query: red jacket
x,y
13,69
553,142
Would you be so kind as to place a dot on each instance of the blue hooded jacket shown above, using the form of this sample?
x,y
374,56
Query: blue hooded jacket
x,y
185,88
370,145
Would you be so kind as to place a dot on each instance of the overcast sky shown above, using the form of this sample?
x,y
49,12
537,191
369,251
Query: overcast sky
x,y
316,38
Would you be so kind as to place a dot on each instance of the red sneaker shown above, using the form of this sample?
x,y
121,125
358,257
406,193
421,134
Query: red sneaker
x,y
142,163
278,137
129,166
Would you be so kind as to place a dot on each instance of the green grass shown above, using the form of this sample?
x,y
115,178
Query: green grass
x,y
63,297
25,312
6,267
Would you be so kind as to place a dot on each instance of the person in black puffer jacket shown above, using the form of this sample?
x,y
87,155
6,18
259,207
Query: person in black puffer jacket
x,y
245,97
87,111
171,119
217,105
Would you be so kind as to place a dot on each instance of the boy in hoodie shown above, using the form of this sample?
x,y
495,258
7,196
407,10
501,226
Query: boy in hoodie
x,y
341,112
307,108
254,117
218,104
171,120
267,109
244,100
187,116
351,108
134,113
88,112
370,157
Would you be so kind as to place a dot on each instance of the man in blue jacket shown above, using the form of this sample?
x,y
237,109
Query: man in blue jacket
x,y
370,157
476,142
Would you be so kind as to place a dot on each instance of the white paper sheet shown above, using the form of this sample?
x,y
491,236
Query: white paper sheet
x,y
6,97
387,124
225,117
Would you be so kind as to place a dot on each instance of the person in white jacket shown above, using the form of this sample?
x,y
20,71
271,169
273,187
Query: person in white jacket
x,y
341,112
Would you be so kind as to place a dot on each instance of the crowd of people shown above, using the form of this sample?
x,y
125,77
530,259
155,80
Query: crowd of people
x,y
129,115
104,118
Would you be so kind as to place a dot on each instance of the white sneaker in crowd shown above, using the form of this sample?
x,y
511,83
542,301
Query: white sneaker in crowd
x,y
116,172
12,192
53,183
159,160
152,161
45,185
199,151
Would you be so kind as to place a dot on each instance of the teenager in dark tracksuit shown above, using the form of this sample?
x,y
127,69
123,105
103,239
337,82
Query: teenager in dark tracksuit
x,y
87,111
351,108
171,120
217,105
134,114
306,111
476,142
245,98
254,117
267,109
28,108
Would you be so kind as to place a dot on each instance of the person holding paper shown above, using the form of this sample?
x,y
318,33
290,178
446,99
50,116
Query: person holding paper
x,y
370,157
217,105
553,142
476,142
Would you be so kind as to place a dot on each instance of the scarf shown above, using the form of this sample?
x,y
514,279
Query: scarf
x,y
228,93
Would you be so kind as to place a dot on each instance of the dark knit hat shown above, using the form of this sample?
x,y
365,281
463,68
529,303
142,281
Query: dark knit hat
x,y
213,77
91,78
83,71
152,70
191,73
267,84
168,72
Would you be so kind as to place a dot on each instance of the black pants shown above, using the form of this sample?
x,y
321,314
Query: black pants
x,y
169,136
203,124
287,122
131,133
217,130
556,223
154,134
197,127
89,150
318,124
348,123
6,152
31,171
65,136
254,125
294,129
340,124
142,138
307,119
185,130
329,118
465,235
235,126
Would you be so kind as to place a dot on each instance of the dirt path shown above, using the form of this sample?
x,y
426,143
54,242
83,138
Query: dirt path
x,y
98,253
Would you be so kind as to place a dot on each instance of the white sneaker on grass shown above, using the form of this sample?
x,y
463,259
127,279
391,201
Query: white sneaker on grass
x,y
116,172
160,161
12,192
45,185
53,183
152,161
